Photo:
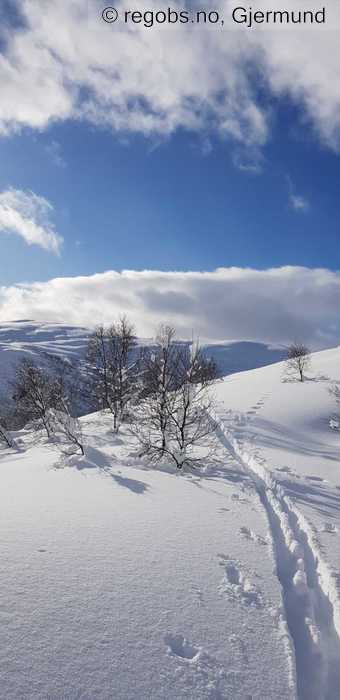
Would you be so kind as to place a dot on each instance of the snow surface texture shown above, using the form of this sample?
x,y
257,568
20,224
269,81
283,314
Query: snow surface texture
x,y
120,581
123,582
39,340
281,433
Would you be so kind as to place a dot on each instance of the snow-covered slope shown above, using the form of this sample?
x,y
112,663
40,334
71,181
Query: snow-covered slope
x,y
38,340
122,581
281,433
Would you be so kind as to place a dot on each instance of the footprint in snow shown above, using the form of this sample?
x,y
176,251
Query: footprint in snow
x,y
329,527
236,585
179,646
207,673
257,406
198,593
250,535
315,478
287,470
237,497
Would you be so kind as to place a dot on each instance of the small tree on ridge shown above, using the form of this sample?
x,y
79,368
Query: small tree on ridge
x,y
298,359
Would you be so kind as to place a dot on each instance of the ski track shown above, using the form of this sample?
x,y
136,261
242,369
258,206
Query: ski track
x,y
310,587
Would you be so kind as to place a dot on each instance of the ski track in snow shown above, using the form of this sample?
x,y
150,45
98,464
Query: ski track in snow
x,y
310,589
309,621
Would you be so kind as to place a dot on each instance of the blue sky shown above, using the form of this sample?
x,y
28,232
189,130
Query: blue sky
x,y
137,204
204,161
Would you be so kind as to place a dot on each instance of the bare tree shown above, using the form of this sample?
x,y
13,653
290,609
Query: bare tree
x,y
334,390
191,425
298,359
174,418
334,421
68,381
35,393
67,428
160,376
8,422
112,375
170,365
5,436
197,369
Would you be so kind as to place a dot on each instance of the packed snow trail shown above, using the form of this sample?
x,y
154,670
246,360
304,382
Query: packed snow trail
x,y
310,587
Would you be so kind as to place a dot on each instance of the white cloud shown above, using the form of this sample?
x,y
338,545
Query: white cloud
x,y
54,151
153,81
298,203
127,78
275,305
29,216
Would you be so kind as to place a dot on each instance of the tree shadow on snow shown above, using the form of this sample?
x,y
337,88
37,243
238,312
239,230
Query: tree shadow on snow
x,y
319,497
273,435
95,459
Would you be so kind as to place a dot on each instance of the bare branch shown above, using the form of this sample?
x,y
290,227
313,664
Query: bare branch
x,y
298,360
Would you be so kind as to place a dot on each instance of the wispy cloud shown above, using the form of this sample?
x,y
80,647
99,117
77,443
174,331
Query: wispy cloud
x,y
273,305
54,151
296,201
29,216
248,160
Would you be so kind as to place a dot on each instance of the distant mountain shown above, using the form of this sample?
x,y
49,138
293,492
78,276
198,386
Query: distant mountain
x,y
39,340
27,338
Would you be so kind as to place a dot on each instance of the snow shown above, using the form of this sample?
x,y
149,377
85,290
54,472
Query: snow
x,y
37,340
281,432
119,581
122,581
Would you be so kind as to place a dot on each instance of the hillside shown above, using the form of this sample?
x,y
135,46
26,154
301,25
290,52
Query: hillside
x,y
38,340
285,434
126,581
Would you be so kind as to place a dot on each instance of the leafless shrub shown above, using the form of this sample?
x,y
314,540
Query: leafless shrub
x,y
35,393
67,429
5,436
298,360
111,374
174,417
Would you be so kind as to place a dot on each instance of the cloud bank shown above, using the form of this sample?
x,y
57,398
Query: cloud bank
x,y
63,62
29,216
274,306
